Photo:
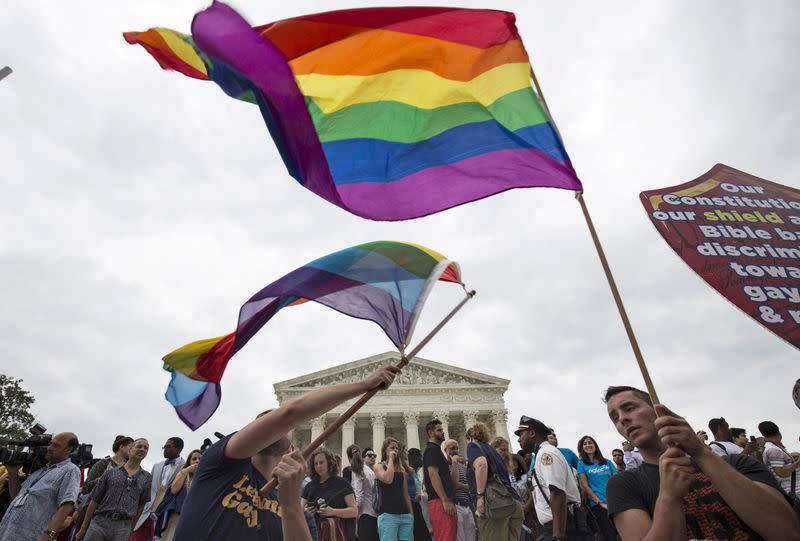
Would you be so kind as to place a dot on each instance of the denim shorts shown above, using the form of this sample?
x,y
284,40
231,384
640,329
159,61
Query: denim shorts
x,y
392,527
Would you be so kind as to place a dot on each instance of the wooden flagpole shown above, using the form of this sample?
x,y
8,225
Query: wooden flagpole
x,y
606,268
339,421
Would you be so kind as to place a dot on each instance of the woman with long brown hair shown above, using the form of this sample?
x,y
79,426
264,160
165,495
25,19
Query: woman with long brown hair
x,y
363,482
594,471
329,498
169,510
395,516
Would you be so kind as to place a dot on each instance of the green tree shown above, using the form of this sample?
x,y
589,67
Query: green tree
x,y
15,419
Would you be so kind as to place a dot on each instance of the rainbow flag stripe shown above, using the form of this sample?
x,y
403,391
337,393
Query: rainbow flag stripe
x,y
385,281
389,113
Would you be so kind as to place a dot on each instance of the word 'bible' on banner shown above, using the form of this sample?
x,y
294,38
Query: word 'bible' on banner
x,y
741,234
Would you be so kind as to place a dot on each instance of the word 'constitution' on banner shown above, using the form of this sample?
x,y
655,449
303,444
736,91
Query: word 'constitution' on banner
x,y
741,234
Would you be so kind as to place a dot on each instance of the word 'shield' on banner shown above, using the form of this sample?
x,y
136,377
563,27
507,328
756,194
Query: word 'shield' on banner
x,y
741,234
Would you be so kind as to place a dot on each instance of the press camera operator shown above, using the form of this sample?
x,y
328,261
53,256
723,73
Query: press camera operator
x,y
43,501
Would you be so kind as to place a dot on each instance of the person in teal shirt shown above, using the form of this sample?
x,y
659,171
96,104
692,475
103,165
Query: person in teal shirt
x,y
569,454
594,471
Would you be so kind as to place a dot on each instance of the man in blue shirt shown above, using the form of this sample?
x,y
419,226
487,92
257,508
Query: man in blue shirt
x,y
46,498
569,454
571,458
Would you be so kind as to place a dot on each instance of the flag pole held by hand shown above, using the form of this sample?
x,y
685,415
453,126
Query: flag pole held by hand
x,y
339,421
606,268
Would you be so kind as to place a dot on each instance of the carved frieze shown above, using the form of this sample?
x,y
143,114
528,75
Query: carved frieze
x,y
412,375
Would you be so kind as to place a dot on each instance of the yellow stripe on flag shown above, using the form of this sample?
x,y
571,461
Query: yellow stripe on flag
x,y
418,88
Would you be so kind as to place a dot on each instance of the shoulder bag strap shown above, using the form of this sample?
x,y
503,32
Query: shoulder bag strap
x,y
718,444
538,484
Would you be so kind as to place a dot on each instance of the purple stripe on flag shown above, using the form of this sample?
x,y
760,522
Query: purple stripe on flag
x,y
446,186
198,410
363,301
222,33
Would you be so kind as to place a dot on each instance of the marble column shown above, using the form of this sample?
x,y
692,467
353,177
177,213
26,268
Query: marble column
x,y
500,419
470,418
444,417
411,419
348,436
378,419
317,426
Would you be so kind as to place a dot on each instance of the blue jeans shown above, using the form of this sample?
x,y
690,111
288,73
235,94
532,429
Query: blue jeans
x,y
392,527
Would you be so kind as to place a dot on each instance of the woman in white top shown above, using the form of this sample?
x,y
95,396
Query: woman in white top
x,y
363,483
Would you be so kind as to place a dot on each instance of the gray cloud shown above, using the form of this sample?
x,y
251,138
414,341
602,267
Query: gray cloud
x,y
141,208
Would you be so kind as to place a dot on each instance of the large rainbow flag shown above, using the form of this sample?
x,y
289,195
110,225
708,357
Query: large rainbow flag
x,y
389,113
386,282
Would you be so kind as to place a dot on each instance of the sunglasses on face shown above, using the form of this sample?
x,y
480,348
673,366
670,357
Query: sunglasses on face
x,y
370,455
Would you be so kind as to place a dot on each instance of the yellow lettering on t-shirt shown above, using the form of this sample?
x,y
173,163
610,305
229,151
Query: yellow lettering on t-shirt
x,y
231,500
238,500
242,481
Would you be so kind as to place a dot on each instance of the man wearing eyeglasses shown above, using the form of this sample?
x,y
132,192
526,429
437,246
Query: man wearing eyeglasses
x,y
118,499
163,474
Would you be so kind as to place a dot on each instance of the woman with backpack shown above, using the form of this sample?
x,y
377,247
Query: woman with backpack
x,y
499,506
395,514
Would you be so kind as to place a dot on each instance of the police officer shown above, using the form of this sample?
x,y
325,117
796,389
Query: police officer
x,y
553,485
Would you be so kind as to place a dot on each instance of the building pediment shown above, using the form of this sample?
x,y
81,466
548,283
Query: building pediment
x,y
420,372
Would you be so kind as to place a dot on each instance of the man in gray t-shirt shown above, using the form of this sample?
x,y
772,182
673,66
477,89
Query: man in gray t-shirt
x,y
46,498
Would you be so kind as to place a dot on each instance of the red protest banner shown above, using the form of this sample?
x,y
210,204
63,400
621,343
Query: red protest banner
x,y
741,234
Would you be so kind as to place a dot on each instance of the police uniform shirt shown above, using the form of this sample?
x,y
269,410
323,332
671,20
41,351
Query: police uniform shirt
x,y
552,469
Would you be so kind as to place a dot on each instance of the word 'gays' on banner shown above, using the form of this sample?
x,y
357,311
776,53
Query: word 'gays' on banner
x,y
741,234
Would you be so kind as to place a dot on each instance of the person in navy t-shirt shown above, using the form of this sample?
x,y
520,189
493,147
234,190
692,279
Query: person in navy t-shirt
x,y
227,500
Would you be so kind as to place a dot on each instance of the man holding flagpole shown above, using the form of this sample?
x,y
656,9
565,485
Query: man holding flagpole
x,y
227,501
685,490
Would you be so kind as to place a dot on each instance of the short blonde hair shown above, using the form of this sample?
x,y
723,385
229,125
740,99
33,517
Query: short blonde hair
x,y
479,432
498,441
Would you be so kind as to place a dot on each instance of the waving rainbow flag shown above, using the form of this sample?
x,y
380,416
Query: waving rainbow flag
x,y
386,282
389,113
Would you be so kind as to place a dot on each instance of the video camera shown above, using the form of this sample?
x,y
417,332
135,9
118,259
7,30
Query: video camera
x,y
34,458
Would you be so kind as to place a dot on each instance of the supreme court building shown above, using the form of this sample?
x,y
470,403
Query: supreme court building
x,y
424,391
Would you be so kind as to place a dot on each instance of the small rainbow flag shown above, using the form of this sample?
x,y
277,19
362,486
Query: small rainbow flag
x,y
384,281
389,113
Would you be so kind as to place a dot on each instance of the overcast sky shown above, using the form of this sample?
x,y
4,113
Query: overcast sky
x,y
141,208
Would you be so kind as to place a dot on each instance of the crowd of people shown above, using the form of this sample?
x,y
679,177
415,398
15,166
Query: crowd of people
x,y
665,482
